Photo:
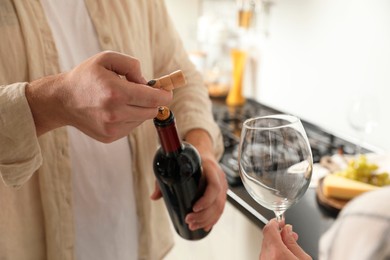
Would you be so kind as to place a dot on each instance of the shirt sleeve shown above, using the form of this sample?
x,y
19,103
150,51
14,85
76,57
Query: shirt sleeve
x,y
361,231
191,104
20,154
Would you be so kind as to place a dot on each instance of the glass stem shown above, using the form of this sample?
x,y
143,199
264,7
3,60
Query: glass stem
x,y
280,219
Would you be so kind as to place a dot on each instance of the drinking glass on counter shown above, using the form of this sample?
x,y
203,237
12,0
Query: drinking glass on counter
x,y
363,117
246,10
275,161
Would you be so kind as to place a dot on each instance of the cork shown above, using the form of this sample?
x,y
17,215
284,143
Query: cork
x,y
169,82
163,113
178,79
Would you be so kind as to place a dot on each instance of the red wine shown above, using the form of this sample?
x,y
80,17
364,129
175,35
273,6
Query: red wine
x,y
177,167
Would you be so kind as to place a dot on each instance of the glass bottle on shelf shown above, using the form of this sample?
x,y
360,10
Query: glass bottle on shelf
x,y
218,67
240,52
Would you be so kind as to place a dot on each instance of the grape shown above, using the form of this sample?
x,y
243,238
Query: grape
x,y
362,170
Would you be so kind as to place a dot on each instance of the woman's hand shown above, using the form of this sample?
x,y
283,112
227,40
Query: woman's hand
x,y
281,244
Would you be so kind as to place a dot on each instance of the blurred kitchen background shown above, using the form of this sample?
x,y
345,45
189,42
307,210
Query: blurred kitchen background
x,y
327,62
310,58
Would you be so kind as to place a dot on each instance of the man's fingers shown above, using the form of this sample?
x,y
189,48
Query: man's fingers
x,y
143,96
123,65
156,193
95,97
128,114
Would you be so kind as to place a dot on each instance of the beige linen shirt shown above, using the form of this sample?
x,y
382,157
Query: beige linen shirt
x,y
36,215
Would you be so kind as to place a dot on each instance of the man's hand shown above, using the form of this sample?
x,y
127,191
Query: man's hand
x,y
281,244
209,208
105,97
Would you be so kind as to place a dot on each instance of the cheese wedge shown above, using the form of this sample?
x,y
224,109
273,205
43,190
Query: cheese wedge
x,y
342,188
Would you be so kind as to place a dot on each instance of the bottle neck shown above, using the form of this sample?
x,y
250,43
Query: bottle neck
x,y
167,132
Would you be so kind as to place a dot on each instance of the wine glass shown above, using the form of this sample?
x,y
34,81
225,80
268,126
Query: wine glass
x,y
363,117
275,161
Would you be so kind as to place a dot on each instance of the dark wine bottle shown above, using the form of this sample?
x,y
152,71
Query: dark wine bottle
x,y
177,167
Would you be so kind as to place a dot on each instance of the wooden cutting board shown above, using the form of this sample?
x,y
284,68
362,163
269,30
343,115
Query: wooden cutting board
x,y
335,205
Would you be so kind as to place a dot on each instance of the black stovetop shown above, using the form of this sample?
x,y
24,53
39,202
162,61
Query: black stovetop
x,y
230,120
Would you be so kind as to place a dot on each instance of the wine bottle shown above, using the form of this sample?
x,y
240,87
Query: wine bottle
x,y
177,167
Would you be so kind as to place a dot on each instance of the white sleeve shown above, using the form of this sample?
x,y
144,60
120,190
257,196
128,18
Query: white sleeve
x,y
20,154
362,229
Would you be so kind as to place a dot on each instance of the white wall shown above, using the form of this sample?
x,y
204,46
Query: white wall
x,y
322,53
319,54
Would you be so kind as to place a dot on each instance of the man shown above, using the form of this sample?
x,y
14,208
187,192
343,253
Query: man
x,y
67,194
